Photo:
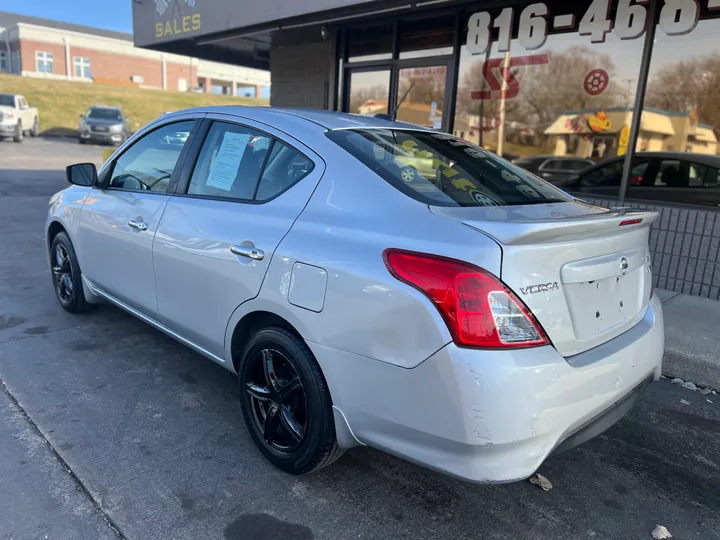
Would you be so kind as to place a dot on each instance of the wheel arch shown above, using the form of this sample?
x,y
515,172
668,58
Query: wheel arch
x,y
54,228
248,325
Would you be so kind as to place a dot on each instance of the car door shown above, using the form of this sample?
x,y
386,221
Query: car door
x,y
120,217
233,206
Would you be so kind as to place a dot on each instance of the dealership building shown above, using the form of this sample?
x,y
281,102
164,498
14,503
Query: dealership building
x,y
599,79
43,48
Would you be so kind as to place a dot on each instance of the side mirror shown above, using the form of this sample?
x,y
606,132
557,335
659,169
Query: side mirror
x,y
81,115
82,174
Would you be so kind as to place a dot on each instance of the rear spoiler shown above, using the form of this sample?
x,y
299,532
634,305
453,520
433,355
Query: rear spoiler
x,y
546,230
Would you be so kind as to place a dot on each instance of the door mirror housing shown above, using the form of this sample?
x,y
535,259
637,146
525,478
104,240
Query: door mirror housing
x,y
82,174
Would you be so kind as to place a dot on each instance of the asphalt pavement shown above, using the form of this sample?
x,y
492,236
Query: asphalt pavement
x,y
110,429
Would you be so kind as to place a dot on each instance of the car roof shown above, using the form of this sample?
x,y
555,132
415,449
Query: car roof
x,y
109,107
326,119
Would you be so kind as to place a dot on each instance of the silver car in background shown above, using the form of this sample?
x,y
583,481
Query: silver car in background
x,y
470,317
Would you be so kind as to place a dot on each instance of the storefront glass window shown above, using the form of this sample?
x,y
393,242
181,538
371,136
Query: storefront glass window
x,y
680,122
552,79
370,43
369,92
421,38
422,91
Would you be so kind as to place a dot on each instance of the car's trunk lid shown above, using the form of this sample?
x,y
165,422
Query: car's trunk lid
x,y
583,271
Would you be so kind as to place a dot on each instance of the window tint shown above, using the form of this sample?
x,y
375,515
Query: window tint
x,y
552,165
285,168
577,165
149,163
703,176
607,175
670,174
230,161
441,170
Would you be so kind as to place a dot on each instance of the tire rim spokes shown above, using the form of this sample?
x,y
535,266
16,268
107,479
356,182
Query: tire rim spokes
x,y
277,400
62,272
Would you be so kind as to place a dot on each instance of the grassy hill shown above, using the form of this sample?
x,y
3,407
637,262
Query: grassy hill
x,y
61,102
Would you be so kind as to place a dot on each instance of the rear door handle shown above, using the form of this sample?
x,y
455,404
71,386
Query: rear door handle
x,y
249,252
139,225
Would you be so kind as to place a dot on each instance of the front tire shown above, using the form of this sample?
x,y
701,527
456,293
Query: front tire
x,y
67,279
286,403
18,137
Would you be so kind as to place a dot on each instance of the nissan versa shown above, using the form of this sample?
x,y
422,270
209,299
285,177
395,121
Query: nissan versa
x,y
471,317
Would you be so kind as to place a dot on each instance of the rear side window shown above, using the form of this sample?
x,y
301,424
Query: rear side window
x,y
442,170
285,168
230,162
237,162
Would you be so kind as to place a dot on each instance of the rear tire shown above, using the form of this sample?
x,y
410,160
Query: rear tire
x,y
290,396
18,137
67,278
35,132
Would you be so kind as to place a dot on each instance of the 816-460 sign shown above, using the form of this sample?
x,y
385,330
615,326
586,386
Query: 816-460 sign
x,y
677,17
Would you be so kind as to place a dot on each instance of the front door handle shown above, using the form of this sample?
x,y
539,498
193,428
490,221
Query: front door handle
x,y
139,225
249,252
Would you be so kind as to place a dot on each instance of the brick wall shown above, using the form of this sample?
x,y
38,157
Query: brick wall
x,y
301,74
27,54
106,65
685,246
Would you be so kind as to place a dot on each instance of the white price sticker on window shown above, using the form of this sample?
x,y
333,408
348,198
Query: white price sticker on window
x,y
225,167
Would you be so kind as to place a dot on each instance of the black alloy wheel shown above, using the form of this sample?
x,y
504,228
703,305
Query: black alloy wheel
x,y
278,401
62,272
67,279
286,403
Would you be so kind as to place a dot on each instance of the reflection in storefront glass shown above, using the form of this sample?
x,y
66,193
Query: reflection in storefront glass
x,y
566,95
369,92
423,90
678,139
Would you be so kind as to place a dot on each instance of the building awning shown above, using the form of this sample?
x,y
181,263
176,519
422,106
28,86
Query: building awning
x,y
703,134
576,122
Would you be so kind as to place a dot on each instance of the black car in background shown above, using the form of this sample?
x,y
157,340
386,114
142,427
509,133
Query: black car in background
x,y
672,177
553,167
103,124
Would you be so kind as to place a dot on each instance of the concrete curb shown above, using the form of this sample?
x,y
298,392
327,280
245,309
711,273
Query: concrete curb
x,y
692,338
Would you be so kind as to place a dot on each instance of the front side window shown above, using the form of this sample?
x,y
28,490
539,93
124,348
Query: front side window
x,y
81,67
230,162
149,163
45,62
441,170
3,61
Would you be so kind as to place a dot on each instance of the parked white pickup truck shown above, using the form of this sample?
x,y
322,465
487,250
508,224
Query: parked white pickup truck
x,y
17,118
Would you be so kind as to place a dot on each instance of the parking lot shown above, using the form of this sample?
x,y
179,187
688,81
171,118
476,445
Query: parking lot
x,y
111,429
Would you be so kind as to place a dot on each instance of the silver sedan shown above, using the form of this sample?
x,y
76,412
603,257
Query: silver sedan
x,y
371,283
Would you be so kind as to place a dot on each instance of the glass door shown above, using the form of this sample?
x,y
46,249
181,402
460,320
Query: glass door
x,y
421,94
368,91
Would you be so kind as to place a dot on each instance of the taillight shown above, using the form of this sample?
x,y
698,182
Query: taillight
x,y
479,309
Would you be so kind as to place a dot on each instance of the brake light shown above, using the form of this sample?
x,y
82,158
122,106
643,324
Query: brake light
x,y
630,222
478,308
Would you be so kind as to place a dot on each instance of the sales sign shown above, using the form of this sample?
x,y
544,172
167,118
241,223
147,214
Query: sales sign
x,y
677,17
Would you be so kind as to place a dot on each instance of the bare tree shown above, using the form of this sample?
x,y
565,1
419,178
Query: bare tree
x,y
546,90
686,85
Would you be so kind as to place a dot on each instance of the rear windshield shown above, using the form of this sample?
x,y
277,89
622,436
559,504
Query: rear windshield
x,y
104,114
442,170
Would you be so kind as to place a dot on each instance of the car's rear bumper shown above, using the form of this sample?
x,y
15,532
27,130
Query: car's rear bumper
x,y
491,416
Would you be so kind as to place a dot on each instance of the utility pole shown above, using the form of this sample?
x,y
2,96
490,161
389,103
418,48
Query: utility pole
x,y
503,93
